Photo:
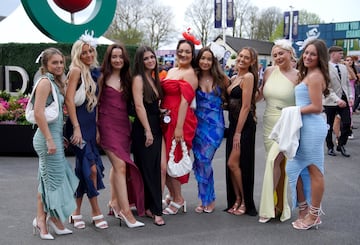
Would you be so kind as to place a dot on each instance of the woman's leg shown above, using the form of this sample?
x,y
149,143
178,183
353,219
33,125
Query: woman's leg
x,y
120,187
41,215
235,173
95,209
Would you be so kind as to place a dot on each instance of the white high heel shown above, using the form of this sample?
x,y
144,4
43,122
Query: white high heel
x,y
57,231
168,210
77,221
314,211
36,229
130,225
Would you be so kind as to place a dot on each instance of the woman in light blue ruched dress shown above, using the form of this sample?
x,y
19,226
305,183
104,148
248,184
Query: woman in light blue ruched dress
x,y
309,159
57,181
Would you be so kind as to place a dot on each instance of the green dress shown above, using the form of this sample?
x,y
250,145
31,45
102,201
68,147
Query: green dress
x,y
57,181
278,93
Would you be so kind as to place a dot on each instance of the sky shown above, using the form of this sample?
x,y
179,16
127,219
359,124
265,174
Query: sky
x,y
329,11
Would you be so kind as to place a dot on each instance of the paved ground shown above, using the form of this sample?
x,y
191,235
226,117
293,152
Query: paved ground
x,y
340,224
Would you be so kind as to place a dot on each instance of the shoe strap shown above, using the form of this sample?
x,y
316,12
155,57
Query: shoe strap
x,y
316,211
302,205
98,217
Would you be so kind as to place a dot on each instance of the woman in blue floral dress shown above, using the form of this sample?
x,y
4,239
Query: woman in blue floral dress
x,y
210,129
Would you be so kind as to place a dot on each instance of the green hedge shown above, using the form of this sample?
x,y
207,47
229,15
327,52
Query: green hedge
x,y
24,55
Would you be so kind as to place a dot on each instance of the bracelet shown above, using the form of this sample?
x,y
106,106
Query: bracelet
x,y
238,134
75,126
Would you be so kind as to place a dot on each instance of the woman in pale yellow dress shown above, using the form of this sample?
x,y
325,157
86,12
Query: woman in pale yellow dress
x,y
278,92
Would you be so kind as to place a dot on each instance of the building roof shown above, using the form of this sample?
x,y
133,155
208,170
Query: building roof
x,y
236,43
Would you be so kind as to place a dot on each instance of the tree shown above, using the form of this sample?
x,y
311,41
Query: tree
x,y
158,26
241,8
201,17
267,23
307,18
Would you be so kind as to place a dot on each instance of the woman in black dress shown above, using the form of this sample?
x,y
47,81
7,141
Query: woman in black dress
x,y
240,144
146,132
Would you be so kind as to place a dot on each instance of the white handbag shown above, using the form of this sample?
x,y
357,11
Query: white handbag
x,y
80,93
51,111
184,166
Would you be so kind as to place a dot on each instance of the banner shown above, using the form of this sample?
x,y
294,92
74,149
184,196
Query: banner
x,y
286,24
218,13
295,24
230,13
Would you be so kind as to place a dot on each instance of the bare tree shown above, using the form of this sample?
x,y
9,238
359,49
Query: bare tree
x,y
307,18
201,17
158,25
240,13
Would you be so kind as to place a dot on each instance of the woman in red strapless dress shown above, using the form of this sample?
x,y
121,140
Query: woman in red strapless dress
x,y
179,90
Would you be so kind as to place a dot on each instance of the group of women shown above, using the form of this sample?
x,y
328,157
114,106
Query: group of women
x,y
163,114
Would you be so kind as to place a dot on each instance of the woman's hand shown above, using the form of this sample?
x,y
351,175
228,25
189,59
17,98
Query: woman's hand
x,y
50,146
149,138
76,138
236,141
178,134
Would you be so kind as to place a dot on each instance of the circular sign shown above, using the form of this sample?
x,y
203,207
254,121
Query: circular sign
x,y
54,27
71,5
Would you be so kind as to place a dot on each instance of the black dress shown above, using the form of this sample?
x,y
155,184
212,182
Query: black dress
x,y
148,159
247,155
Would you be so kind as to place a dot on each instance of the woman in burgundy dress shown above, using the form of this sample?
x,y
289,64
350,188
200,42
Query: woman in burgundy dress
x,y
115,134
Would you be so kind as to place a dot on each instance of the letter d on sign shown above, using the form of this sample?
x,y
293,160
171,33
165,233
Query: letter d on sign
x,y
24,77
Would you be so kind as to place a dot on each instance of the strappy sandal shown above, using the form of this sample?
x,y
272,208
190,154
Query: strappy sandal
x,y
199,209
234,208
168,209
77,221
241,210
102,224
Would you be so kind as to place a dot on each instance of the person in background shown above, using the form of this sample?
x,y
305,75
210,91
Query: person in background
x,y
115,135
339,101
57,181
179,90
308,162
146,131
240,144
82,131
162,72
209,134
278,92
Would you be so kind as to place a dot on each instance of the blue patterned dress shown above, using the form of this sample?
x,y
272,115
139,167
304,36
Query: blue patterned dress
x,y
208,137
57,181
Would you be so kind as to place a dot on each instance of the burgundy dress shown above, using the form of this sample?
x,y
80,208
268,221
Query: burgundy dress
x,y
173,89
115,136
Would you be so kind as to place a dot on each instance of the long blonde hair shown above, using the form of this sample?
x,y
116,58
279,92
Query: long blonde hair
x,y
90,85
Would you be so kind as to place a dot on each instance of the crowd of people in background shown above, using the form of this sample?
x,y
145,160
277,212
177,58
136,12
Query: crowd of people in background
x,y
183,104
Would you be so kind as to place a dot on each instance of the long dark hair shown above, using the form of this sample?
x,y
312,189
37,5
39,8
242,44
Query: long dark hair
x,y
216,72
125,72
139,69
323,62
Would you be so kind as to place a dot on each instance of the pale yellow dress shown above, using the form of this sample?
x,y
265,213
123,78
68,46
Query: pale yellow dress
x,y
278,93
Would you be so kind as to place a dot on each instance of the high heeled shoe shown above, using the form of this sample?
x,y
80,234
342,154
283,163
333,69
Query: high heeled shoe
x,y
168,210
128,223
113,211
77,221
302,208
167,200
102,224
36,229
58,231
241,210
314,211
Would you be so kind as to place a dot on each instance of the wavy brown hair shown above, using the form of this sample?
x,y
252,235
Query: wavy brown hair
x,y
323,62
216,72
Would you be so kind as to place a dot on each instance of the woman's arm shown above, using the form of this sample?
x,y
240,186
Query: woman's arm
x,y
247,86
138,94
73,81
42,92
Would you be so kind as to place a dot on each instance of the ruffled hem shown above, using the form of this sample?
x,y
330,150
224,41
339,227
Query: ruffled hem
x,y
60,203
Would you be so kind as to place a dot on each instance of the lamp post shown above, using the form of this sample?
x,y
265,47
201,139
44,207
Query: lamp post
x,y
291,23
